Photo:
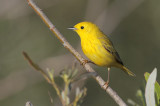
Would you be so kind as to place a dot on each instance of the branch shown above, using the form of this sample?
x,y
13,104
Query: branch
x,y
67,76
49,80
66,44
36,67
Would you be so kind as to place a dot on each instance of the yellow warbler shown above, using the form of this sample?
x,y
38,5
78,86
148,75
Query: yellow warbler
x,y
98,48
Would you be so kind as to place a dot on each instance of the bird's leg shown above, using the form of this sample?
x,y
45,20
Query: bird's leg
x,y
86,61
107,82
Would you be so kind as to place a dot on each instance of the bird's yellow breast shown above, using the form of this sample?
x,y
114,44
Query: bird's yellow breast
x,y
94,50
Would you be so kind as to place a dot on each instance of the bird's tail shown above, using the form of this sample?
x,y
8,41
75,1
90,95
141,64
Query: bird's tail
x,y
126,70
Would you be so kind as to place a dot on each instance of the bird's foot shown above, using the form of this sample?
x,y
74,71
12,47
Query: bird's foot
x,y
86,61
106,84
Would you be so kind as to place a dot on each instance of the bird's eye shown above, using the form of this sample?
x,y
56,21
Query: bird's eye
x,y
82,27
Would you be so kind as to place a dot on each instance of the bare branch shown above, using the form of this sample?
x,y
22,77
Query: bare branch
x,y
51,81
35,66
100,81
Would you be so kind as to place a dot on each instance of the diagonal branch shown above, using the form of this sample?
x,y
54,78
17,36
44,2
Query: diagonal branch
x,y
66,44
49,80
35,66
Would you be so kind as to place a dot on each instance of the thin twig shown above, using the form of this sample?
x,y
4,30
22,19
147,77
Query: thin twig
x,y
49,80
51,99
36,67
66,44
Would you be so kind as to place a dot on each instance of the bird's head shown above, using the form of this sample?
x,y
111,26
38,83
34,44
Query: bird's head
x,y
85,28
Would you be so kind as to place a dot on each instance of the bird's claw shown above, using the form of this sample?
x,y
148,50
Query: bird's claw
x,y
106,84
84,62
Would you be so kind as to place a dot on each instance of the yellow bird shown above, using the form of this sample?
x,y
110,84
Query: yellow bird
x,y
98,48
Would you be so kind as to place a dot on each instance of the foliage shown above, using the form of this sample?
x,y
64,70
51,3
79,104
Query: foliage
x,y
152,87
68,76
157,88
149,90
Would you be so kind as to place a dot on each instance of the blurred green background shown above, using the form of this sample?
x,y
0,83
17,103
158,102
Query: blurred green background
x,y
132,25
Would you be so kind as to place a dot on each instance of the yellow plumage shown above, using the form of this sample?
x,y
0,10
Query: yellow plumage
x,y
97,46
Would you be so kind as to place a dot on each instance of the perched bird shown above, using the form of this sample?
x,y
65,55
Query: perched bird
x,y
98,48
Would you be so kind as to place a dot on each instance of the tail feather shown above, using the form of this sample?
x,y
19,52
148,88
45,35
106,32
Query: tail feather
x,y
126,70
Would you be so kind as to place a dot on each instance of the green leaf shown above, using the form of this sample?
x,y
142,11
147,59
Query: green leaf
x,y
157,88
150,86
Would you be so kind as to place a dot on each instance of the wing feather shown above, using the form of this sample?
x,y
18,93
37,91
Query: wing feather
x,y
107,44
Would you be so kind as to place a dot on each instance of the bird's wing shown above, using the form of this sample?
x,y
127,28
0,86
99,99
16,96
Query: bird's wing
x,y
107,44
